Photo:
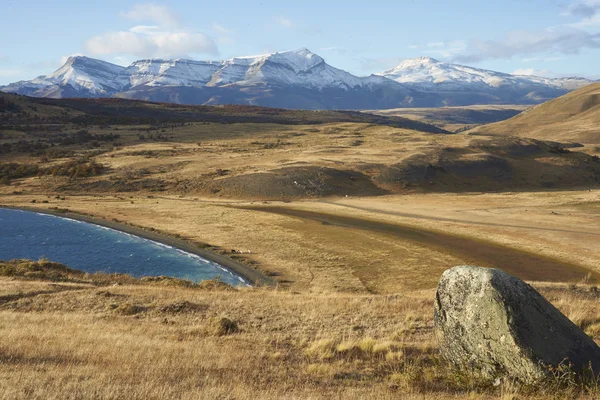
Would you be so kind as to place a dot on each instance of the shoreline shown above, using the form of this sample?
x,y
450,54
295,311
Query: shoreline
x,y
252,276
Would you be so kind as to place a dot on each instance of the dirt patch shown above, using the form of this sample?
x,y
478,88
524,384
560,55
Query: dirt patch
x,y
527,266
297,182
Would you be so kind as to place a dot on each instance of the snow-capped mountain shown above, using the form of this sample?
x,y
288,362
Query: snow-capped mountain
x,y
431,75
79,76
292,79
167,72
300,67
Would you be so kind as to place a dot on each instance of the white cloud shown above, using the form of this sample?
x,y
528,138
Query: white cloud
x,y
446,50
3,58
146,29
543,59
583,8
436,44
283,21
152,43
224,35
151,12
557,40
9,72
166,38
533,72
220,29
337,50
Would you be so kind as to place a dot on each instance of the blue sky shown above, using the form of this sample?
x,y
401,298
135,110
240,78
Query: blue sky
x,y
543,37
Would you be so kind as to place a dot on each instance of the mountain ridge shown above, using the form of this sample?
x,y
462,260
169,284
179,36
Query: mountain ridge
x,y
292,79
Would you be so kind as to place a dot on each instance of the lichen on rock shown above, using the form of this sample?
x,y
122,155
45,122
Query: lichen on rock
x,y
492,322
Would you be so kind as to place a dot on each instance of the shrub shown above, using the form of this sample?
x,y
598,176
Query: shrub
x,y
221,326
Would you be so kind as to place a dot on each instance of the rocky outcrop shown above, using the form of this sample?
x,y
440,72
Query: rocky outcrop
x,y
491,322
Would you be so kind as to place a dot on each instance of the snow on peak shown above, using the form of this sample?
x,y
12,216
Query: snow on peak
x,y
301,60
298,68
80,72
430,74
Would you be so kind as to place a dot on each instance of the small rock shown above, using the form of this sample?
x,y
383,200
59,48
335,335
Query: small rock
x,y
489,321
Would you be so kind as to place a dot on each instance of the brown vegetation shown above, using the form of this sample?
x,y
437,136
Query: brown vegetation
x,y
80,168
573,117
135,341
352,313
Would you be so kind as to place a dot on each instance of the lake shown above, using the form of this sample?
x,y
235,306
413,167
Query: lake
x,y
93,248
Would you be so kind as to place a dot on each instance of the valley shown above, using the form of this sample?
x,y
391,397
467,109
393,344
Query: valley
x,y
456,119
214,165
308,201
352,216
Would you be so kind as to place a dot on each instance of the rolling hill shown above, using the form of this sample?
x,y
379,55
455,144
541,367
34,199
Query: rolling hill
x,y
574,117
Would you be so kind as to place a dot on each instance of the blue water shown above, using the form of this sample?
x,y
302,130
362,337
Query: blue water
x,y
92,248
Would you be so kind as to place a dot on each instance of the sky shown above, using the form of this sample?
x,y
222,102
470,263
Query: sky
x,y
537,37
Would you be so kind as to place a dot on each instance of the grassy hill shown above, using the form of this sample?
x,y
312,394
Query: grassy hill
x,y
574,117
22,109
116,145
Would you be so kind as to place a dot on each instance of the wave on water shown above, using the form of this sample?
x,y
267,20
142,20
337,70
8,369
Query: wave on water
x,y
92,252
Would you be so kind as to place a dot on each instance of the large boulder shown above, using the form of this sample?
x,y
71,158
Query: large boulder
x,y
491,322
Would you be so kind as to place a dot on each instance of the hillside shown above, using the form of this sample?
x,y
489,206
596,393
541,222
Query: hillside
x,y
574,117
16,109
116,145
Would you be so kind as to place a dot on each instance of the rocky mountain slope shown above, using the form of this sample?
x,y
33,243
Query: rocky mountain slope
x,y
454,82
291,79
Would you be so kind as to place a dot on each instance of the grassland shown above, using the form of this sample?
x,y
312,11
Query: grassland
x,y
92,339
346,216
456,118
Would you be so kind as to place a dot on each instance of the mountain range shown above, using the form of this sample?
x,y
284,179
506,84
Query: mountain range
x,y
296,79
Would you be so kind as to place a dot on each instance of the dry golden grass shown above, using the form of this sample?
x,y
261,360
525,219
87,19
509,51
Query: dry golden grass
x,y
307,255
573,117
144,342
352,315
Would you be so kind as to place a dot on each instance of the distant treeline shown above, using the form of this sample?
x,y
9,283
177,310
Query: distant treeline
x,y
7,105
38,146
